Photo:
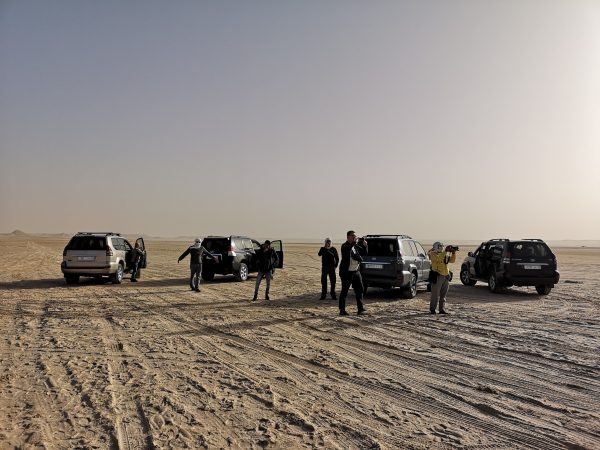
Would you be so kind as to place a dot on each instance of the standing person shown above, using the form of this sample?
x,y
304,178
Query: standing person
x,y
267,261
329,262
196,252
440,258
350,274
136,258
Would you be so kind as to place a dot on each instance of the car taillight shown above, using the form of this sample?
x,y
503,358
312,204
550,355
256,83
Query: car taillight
x,y
109,251
231,251
506,259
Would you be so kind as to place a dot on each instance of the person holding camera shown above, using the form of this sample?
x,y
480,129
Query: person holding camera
x,y
350,273
440,258
329,262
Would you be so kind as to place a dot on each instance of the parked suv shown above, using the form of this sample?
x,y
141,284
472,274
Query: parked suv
x,y
395,260
235,255
504,263
98,254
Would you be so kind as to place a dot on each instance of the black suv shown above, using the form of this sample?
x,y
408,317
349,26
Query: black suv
x,y
504,263
395,260
235,255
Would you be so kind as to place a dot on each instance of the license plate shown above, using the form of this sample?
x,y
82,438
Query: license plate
x,y
86,258
529,267
373,266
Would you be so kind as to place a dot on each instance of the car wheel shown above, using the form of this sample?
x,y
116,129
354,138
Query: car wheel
x,y
543,289
411,290
493,283
242,274
465,277
208,276
72,279
117,278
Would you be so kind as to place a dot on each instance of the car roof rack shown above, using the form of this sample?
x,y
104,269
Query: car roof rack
x,y
105,233
494,240
535,240
402,236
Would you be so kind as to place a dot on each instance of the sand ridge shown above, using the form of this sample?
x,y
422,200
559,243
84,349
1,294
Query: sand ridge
x,y
154,365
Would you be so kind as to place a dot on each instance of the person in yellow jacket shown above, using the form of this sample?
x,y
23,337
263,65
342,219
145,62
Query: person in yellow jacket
x,y
440,258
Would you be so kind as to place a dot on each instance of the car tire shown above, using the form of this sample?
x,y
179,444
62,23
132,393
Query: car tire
x,y
465,277
543,289
72,279
411,290
208,276
117,277
493,283
242,273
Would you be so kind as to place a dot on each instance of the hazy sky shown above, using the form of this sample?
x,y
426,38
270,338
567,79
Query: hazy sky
x,y
459,119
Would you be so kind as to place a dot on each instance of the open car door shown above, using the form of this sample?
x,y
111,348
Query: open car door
x,y
278,247
143,262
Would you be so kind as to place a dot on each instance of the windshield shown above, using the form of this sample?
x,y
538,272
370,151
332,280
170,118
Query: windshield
x,y
520,250
216,245
87,243
382,247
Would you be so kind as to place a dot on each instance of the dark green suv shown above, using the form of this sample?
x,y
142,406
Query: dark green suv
x,y
236,255
395,260
504,263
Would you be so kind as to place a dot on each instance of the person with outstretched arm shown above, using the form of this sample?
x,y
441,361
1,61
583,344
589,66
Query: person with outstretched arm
x,y
196,252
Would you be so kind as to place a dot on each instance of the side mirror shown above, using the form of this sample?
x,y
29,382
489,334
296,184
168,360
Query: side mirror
x,y
470,254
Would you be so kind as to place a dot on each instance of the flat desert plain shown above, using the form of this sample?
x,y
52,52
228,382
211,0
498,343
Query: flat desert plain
x,y
155,365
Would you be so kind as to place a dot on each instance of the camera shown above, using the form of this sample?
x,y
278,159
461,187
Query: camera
x,y
452,248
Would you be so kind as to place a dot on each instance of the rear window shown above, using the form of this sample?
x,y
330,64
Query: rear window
x,y
382,247
87,243
216,245
519,250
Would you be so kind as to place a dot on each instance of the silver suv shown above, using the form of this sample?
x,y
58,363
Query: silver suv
x,y
395,260
98,254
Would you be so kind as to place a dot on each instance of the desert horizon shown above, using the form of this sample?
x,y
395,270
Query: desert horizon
x,y
153,365
566,243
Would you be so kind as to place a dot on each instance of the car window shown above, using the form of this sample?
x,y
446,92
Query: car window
x,y
126,245
119,244
256,245
216,245
528,250
248,244
382,247
239,244
414,248
87,243
420,249
406,249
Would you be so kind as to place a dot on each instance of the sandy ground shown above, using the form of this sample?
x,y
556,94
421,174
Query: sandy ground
x,y
154,365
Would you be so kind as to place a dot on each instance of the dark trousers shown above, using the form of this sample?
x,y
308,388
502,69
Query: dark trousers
x,y
135,270
353,279
328,272
195,271
267,275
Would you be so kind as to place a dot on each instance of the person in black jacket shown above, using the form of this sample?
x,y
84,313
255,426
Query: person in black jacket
x,y
350,273
329,262
267,261
196,252
136,259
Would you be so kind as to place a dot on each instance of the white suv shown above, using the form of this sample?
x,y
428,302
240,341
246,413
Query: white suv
x,y
95,254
